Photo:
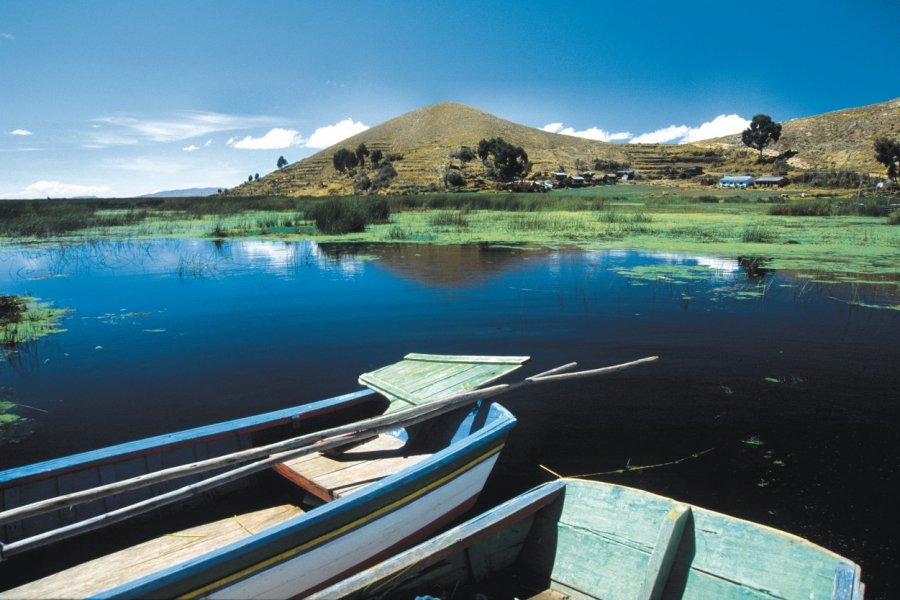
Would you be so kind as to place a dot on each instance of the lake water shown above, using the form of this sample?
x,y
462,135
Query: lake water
x,y
775,397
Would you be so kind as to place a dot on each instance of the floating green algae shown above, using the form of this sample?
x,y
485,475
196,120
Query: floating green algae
x,y
14,427
25,319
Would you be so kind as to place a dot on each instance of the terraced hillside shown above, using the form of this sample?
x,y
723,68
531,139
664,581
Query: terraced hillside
x,y
424,143
426,139
842,139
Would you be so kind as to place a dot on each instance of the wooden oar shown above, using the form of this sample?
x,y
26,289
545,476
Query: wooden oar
x,y
275,453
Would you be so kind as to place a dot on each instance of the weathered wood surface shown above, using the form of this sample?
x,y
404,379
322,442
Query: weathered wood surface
x,y
607,541
332,477
667,544
117,568
421,378
456,545
614,529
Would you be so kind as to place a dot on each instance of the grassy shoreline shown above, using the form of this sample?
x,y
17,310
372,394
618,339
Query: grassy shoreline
x,y
723,223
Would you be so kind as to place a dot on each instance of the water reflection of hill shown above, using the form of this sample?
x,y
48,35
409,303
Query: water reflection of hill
x,y
439,266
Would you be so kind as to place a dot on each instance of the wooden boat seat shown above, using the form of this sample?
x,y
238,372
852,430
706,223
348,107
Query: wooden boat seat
x,y
329,477
117,568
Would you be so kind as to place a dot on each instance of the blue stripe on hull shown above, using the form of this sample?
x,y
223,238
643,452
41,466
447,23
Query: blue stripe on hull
x,y
322,523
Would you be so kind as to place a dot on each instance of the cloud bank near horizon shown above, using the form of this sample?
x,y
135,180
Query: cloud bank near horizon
x,y
683,134
722,125
57,189
591,133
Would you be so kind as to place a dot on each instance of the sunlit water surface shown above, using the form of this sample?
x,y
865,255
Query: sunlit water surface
x,y
775,397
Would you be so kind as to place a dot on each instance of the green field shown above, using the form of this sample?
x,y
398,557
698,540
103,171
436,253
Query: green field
x,y
854,241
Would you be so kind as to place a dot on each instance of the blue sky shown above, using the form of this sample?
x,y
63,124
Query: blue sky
x,y
124,98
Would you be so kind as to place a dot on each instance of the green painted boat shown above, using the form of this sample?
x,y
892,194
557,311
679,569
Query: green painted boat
x,y
583,539
424,378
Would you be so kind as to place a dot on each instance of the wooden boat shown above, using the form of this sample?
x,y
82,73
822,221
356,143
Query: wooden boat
x,y
363,490
585,539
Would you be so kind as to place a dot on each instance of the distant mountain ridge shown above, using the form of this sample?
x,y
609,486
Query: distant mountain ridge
x,y
425,143
185,193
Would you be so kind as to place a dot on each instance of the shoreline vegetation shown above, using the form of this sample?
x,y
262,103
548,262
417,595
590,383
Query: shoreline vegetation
x,y
820,231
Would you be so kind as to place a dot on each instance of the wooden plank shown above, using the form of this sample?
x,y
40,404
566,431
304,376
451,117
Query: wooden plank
x,y
95,576
667,543
306,471
388,389
344,481
846,583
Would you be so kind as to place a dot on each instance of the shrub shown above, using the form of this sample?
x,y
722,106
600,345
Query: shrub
x,y
454,179
708,199
894,218
833,178
378,210
756,234
801,208
465,154
337,216
449,219
609,166
361,183
383,176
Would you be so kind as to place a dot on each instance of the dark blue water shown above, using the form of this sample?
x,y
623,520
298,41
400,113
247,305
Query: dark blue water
x,y
787,395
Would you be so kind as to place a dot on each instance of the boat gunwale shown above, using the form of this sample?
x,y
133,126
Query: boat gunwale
x,y
412,476
166,441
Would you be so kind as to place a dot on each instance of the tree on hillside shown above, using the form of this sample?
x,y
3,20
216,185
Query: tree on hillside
x,y
509,161
465,154
887,152
377,155
256,177
361,153
762,130
249,178
344,159
282,163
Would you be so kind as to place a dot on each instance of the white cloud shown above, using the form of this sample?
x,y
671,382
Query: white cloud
x,y
721,125
191,148
332,134
207,143
181,126
7,36
665,135
19,132
682,134
56,189
276,138
592,133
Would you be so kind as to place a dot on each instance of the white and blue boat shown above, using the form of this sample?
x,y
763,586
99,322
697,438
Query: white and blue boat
x,y
364,490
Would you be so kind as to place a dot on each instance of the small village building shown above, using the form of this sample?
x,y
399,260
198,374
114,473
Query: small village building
x,y
576,181
737,181
771,182
627,174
